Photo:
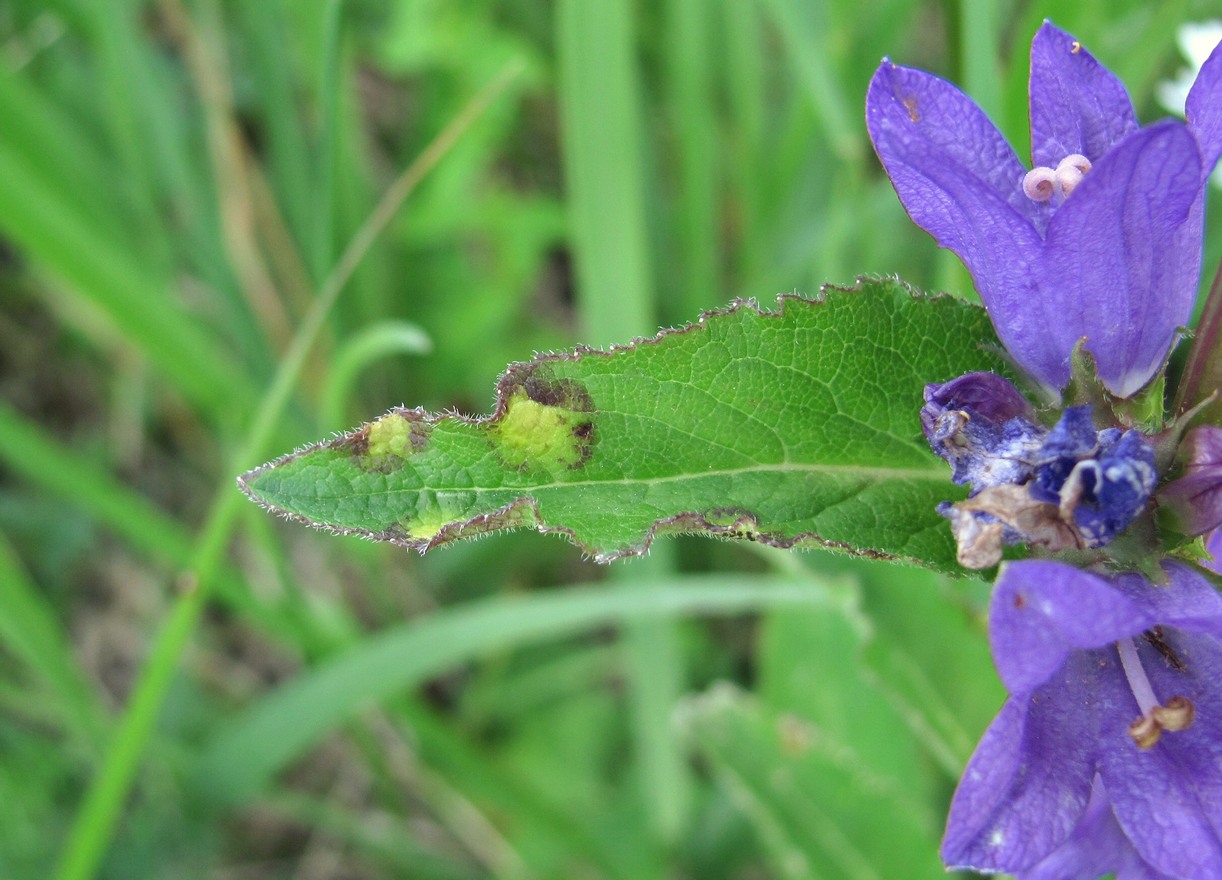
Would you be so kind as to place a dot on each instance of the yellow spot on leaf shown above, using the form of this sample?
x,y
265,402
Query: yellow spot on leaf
x,y
390,435
425,526
536,434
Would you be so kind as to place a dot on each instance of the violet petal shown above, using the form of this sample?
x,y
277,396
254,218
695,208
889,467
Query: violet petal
x,y
1111,270
1213,545
1077,104
1196,497
985,394
983,427
1188,602
1072,439
955,175
1018,801
1096,847
1113,490
1203,109
1041,612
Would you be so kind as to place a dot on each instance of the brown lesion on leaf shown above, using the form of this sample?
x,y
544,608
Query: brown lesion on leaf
x,y
520,513
910,104
542,421
381,444
737,523
537,380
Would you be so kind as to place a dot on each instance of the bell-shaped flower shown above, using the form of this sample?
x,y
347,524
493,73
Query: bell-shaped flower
x,y
1195,499
1107,755
984,427
1100,240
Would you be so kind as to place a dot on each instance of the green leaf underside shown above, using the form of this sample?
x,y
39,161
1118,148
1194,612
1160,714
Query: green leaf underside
x,y
788,427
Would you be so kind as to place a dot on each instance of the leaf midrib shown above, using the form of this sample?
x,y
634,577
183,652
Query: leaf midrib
x,y
935,472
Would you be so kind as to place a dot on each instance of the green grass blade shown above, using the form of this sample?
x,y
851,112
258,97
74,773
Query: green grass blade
x,y
693,78
807,34
30,631
322,245
600,132
980,48
45,463
249,751
102,274
377,341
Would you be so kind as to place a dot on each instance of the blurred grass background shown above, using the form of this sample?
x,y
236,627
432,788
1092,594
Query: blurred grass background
x,y
230,227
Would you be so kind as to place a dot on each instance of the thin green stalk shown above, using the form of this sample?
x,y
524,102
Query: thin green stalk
x,y
654,670
95,821
325,159
383,339
743,79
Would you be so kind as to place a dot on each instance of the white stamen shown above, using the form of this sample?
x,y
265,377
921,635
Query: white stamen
x,y
1068,179
1139,684
1043,183
1076,161
1040,184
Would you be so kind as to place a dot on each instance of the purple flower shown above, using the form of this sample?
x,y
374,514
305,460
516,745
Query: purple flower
x,y
1101,240
1107,756
1071,487
1095,847
1195,498
1100,480
984,427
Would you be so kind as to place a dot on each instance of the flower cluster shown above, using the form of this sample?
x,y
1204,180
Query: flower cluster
x,y
1068,487
1107,755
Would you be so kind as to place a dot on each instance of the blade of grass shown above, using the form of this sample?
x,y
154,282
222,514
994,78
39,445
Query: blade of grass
x,y
95,821
742,72
30,452
807,36
105,276
125,78
692,78
601,138
323,233
201,45
31,632
656,677
288,161
487,782
242,759
357,352
980,52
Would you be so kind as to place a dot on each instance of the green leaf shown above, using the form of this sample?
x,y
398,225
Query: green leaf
x,y
810,667
819,811
788,427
